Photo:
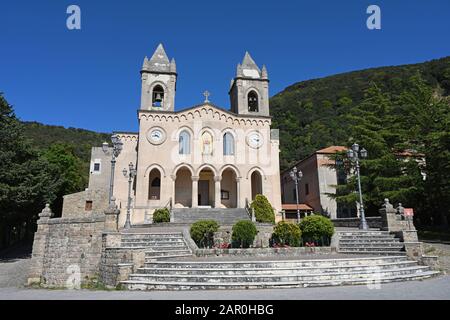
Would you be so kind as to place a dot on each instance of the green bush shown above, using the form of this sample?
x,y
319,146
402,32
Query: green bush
x,y
161,215
202,232
316,228
263,209
286,233
244,233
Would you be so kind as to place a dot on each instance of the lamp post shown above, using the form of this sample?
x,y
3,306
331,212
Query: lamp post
x,y
354,154
296,176
131,173
117,146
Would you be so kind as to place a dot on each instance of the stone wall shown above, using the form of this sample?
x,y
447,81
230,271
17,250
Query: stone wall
x,y
264,252
261,240
75,205
66,248
373,222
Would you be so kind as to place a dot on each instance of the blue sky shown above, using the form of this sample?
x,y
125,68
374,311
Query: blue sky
x,y
90,78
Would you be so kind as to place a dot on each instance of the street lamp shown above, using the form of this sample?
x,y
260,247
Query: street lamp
x,y
131,173
117,146
354,154
296,176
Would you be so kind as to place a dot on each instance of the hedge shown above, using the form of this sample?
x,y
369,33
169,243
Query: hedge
x,y
161,215
202,232
244,233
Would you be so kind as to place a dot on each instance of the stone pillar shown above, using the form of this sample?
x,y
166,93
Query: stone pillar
x,y
111,217
195,191
217,187
238,193
387,213
174,179
39,246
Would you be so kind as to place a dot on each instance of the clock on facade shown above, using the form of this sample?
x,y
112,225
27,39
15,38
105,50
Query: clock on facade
x,y
254,140
156,136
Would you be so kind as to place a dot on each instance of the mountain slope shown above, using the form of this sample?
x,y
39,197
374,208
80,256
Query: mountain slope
x,y
308,113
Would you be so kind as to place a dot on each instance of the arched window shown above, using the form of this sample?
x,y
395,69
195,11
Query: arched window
x,y
252,100
154,189
184,143
158,96
228,144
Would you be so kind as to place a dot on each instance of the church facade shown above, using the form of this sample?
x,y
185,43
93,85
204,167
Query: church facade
x,y
201,157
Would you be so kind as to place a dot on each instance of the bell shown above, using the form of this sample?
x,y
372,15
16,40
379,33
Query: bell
x,y
158,97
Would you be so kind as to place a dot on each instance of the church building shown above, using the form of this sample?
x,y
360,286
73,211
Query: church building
x,y
201,157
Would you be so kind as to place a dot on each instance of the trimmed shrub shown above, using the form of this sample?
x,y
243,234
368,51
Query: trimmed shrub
x,y
317,228
244,233
263,209
286,233
161,215
202,232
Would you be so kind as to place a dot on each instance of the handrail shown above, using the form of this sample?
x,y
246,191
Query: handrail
x,y
250,210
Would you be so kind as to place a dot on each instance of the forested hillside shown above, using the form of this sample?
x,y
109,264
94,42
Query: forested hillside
x,y
81,140
310,114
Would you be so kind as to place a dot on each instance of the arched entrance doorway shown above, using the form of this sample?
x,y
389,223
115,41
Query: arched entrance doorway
x,y
228,189
256,181
206,190
183,188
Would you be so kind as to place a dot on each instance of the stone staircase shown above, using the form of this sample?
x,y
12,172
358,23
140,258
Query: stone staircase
x,y
189,275
221,215
157,245
369,242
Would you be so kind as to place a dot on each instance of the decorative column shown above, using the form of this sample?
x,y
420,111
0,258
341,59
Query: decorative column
x,y
217,188
195,191
238,193
174,179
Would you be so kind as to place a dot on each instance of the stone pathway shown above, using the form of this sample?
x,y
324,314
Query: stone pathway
x,y
442,251
436,289
13,272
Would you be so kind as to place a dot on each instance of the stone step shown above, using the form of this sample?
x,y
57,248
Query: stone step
x,y
273,271
380,253
372,245
147,285
277,263
221,215
152,253
364,241
152,236
364,233
312,276
152,259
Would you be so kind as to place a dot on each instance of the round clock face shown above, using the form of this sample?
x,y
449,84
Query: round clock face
x,y
156,136
255,140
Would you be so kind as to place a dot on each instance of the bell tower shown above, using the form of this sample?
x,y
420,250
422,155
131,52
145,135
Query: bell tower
x,y
159,79
249,90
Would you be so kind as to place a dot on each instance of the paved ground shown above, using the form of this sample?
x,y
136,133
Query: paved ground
x,y
13,272
436,289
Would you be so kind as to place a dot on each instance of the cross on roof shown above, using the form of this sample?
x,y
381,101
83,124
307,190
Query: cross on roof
x,y
206,94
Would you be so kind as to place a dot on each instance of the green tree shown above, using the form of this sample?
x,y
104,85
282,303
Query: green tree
x,y
24,183
65,169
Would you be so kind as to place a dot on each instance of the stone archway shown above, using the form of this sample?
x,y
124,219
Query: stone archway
x,y
256,184
229,189
206,188
183,188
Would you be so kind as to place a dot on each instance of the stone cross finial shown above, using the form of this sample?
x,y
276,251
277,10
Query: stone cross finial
x,y
206,94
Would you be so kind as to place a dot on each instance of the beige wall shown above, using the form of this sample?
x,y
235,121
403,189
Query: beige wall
x,y
321,180
165,157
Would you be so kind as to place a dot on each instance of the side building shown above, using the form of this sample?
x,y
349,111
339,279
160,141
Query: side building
x,y
320,177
